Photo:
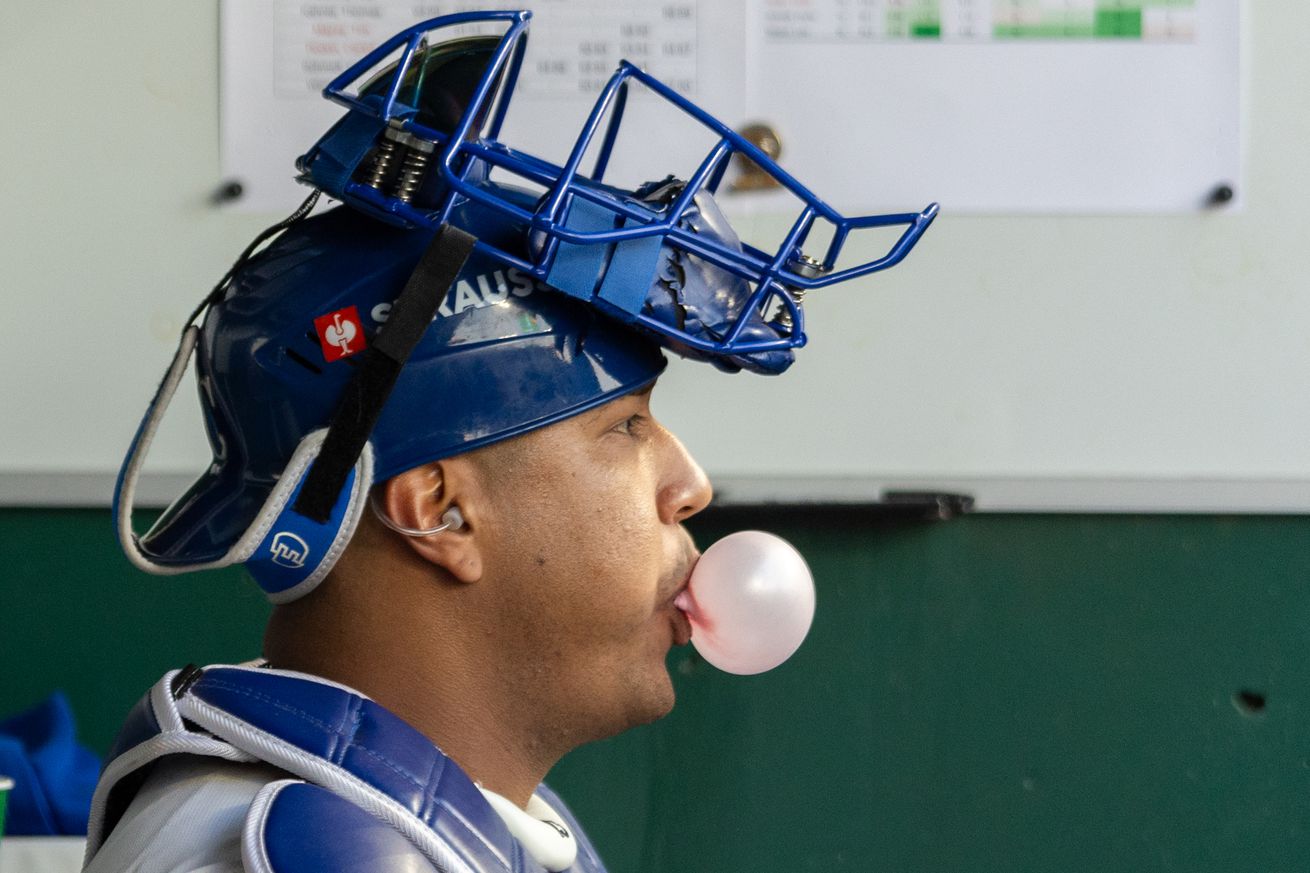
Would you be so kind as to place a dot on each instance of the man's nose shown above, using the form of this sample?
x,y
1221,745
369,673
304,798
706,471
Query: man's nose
x,y
686,490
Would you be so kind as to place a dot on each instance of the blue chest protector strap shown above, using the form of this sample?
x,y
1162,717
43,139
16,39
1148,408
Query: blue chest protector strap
x,y
382,781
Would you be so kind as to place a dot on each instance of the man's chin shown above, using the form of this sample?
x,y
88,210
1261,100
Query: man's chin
x,y
665,705
654,701
657,701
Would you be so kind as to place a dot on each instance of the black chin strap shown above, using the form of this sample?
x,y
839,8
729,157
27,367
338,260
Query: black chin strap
x,y
368,390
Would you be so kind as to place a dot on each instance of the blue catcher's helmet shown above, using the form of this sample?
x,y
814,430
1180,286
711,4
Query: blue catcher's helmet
x,y
443,311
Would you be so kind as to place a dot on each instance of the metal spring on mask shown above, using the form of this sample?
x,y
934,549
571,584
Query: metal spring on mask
x,y
807,267
784,314
411,174
382,164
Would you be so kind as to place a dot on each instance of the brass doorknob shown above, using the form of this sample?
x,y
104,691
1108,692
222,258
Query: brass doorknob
x,y
750,175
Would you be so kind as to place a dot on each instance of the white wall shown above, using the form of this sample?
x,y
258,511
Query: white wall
x,y
1151,362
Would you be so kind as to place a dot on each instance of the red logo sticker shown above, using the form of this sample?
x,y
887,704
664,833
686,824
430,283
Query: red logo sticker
x,y
340,333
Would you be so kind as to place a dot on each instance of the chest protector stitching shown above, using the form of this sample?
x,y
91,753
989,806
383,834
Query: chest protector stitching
x,y
329,736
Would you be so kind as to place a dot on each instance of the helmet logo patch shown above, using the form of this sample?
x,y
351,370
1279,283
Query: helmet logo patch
x,y
340,333
289,550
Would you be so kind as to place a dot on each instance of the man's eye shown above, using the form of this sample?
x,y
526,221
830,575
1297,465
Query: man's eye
x,y
631,425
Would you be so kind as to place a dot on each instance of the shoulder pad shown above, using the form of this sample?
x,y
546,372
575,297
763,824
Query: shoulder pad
x,y
295,827
331,736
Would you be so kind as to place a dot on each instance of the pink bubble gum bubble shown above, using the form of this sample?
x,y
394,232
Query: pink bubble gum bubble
x,y
750,602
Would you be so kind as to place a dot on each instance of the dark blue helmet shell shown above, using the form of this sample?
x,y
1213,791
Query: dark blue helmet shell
x,y
502,357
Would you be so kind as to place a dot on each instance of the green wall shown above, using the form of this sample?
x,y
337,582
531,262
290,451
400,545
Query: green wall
x,y
994,693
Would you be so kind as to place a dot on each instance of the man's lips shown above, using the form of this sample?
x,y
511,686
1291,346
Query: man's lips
x,y
681,624
681,628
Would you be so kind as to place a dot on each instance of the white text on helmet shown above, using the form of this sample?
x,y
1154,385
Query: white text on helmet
x,y
485,290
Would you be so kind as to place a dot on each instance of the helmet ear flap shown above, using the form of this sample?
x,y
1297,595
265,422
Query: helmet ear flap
x,y
295,553
286,552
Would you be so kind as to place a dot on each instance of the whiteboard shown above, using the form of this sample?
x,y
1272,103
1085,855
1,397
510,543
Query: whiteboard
x,y
1048,106
277,56
1005,105
1082,357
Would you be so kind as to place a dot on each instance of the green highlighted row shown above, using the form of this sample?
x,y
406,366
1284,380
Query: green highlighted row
x,y
1107,23
1045,31
1109,20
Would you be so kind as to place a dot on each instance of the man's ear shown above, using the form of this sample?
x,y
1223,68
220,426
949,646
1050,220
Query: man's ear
x,y
419,498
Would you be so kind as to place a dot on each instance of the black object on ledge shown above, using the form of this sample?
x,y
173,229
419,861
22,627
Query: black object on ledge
x,y
892,506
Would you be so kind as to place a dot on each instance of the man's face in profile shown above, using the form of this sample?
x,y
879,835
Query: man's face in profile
x,y
584,529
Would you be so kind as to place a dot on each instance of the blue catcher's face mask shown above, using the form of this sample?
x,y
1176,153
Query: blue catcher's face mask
x,y
661,257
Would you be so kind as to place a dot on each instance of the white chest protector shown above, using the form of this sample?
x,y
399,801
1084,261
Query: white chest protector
x,y
363,785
